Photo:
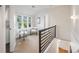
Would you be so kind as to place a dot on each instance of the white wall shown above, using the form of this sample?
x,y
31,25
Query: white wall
x,y
75,23
41,24
2,29
43,14
60,16
33,24
75,28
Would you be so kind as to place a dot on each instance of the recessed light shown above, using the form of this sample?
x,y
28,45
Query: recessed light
x,y
0,5
33,6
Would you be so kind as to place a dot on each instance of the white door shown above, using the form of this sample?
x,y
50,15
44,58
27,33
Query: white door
x,y
12,28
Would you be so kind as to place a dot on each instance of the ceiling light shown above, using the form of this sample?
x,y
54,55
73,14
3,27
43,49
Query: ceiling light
x,y
33,6
73,17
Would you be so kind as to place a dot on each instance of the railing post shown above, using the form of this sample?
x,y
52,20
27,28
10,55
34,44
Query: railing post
x,y
55,31
39,41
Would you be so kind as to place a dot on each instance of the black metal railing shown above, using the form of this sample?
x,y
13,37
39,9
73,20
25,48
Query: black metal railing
x,y
45,37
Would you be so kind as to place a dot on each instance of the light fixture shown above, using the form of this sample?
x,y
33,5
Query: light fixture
x,y
0,5
73,17
33,6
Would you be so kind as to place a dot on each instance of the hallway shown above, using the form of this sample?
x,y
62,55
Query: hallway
x,y
21,19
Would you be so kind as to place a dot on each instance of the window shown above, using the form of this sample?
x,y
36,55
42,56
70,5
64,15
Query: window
x,y
23,22
19,20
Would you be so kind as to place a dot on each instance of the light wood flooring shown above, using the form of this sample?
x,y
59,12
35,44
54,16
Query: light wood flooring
x,y
29,45
61,50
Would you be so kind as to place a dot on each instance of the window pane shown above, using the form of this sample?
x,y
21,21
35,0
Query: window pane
x,y
19,18
19,25
25,18
24,22
25,25
29,22
19,21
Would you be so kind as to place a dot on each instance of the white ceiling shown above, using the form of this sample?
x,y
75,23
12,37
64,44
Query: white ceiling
x,y
28,10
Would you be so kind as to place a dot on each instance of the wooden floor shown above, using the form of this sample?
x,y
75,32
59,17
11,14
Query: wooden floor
x,y
61,50
29,45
